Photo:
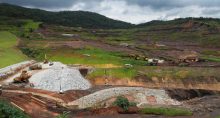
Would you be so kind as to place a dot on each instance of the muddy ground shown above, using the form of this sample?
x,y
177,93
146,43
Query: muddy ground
x,y
203,103
205,107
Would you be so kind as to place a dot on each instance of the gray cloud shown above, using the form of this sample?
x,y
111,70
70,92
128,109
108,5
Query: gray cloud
x,y
134,11
42,3
158,4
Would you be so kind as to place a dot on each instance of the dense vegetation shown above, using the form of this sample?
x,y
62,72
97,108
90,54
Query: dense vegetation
x,y
37,54
66,18
9,111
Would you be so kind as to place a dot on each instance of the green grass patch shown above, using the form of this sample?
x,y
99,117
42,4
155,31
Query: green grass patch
x,y
97,56
128,73
179,72
166,111
112,62
9,111
218,117
9,54
211,58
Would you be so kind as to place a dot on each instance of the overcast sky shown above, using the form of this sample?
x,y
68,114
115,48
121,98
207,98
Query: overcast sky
x,y
133,11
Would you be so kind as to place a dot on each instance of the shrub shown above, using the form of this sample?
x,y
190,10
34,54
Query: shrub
x,y
122,102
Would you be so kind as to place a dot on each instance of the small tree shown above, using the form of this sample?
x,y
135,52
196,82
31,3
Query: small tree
x,y
122,102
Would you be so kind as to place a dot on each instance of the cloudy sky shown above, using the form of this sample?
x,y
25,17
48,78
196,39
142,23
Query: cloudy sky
x,y
133,11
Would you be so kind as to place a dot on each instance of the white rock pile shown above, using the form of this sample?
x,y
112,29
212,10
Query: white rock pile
x,y
59,77
140,93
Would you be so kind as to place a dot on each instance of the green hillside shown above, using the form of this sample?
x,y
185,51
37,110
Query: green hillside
x,y
65,18
8,52
205,21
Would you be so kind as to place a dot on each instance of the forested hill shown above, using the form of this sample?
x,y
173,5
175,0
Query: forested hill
x,y
209,22
65,18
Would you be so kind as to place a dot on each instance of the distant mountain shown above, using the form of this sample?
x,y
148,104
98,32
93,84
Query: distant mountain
x,y
208,22
66,18
93,20
204,31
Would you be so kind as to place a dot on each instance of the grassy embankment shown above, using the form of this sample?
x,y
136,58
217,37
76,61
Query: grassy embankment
x,y
9,54
9,29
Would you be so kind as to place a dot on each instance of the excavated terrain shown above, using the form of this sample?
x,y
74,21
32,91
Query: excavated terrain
x,y
203,100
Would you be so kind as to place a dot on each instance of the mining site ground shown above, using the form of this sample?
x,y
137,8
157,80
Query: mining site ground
x,y
39,102
97,65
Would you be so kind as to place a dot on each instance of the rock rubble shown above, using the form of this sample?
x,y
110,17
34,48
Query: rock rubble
x,y
59,77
